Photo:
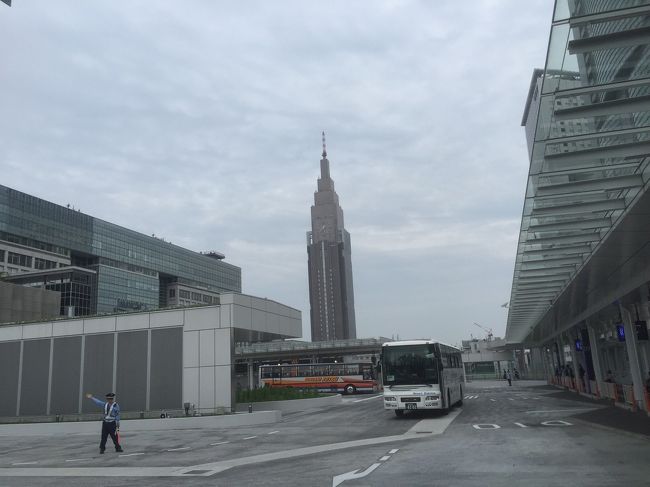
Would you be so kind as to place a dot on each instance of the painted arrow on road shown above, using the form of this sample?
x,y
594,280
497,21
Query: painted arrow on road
x,y
339,479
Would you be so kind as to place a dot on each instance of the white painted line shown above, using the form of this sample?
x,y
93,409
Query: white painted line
x,y
466,397
521,425
524,398
557,422
368,398
339,479
179,449
384,458
392,452
510,399
273,432
249,437
131,454
493,400
24,463
219,443
78,459
486,426
535,398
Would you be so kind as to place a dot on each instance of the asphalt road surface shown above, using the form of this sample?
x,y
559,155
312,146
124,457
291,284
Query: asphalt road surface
x,y
524,435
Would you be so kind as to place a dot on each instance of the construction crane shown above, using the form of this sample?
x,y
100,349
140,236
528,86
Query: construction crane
x,y
487,330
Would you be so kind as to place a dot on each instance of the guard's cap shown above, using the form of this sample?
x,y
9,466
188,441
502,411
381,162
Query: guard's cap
x,y
110,395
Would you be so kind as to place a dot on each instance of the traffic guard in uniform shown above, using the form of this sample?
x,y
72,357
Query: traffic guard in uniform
x,y
110,422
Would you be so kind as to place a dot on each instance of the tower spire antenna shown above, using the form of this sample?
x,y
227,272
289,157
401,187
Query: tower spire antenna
x,y
324,146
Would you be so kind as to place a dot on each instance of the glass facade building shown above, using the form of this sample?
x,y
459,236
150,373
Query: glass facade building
x,y
588,125
133,271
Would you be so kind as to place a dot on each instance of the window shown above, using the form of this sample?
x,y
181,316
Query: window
x,y
172,293
19,259
184,294
196,296
44,264
2,255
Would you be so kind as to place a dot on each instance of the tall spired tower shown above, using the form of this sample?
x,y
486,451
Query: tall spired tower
x,y
331,294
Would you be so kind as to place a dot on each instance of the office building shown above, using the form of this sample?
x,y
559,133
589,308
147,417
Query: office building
x,y
331,294
100,267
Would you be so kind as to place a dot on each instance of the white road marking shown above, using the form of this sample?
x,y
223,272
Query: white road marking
x,y
493,400
466,397
24,463
521,425
78,459
179,449
510,399
219,443
557,422
131,454
273,432
486,426
392,452
524,398
339,479
249,437
384,458
368,398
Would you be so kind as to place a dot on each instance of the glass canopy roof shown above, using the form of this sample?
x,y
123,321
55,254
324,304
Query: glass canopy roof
x,y
588,122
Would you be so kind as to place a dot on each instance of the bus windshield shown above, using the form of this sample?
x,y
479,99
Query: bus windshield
x,y
409,365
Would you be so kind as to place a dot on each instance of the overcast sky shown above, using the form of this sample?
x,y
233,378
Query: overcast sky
x,y
200,121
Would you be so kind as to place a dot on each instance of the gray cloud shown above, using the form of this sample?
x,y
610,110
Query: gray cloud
x,y
200,122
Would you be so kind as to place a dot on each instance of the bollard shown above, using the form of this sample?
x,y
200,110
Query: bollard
x,y
250,407
141,414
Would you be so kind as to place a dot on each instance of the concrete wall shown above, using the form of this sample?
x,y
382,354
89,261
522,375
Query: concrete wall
x,y
20,303
151,360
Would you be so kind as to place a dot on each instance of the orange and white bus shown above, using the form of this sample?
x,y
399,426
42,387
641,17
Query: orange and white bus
x,y
345,378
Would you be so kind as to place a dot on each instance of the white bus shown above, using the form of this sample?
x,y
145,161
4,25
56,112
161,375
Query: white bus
x,y
421,374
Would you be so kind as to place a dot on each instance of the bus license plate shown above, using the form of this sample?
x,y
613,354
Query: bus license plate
x,y
411,405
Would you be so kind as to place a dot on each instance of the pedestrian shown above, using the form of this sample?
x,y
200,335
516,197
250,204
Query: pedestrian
x,y
509,377
505,375
110,421
609,377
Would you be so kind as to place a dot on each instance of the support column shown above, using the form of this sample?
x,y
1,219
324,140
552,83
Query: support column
x,y
595,356
251,374
632,353
576,365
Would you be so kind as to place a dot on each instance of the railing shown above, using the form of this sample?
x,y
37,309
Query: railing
x,y
593,388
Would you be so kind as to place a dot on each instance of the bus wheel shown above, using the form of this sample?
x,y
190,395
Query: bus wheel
x,y
350,389
399,413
